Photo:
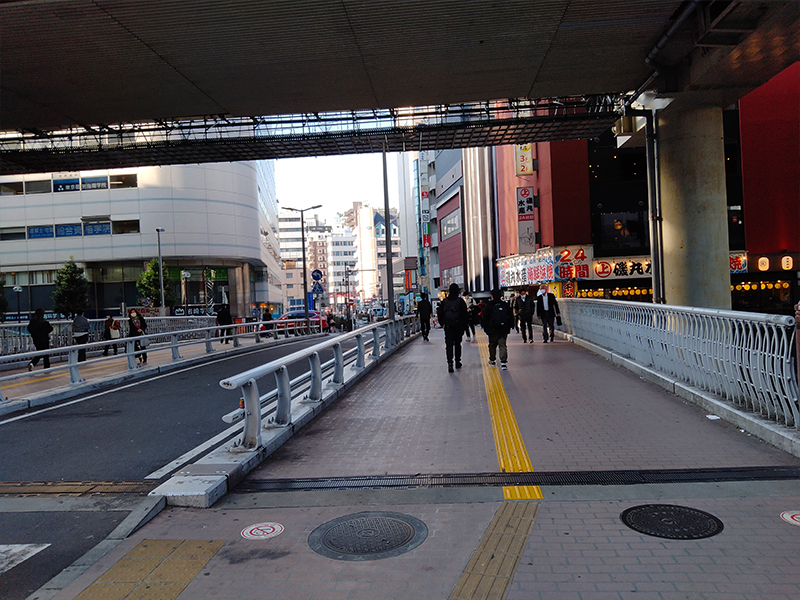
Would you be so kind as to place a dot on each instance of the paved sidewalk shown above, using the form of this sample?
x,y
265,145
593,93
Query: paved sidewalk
x,y
575,411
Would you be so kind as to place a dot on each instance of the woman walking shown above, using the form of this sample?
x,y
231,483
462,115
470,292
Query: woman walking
x,y
137,326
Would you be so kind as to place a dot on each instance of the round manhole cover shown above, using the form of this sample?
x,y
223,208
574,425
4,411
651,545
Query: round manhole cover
x,y
671,522
368,536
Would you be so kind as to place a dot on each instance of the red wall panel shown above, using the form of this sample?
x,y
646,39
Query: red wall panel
x,y
769,122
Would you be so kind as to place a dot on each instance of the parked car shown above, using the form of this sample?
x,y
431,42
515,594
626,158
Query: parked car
x,y
314,318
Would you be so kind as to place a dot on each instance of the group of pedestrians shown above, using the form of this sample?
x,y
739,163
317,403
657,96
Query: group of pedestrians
x,y
459,313
40,329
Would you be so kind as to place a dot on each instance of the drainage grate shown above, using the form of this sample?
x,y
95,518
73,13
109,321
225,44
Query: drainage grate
x,y
368,536
671,522
543,478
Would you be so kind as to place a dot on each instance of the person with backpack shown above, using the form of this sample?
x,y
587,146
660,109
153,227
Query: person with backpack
x,y
452,316
497,321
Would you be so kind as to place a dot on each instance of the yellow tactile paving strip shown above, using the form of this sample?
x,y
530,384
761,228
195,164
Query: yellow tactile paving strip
x,y
511,452
493,564
153,570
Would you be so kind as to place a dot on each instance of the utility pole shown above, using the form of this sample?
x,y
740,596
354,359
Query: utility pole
x,y
161,310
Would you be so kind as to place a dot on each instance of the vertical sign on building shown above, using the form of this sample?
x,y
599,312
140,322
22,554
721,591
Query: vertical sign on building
x,y
526,229
523,159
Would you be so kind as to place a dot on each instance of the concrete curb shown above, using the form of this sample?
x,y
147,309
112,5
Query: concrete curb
x,y
201,484
781,437
71,391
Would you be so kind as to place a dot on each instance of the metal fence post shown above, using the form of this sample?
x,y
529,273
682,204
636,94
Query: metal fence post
x,y
235,336
174,343
131,354
251,436
376,343
315,393
209,345
283,414
338,365
74,372
360,358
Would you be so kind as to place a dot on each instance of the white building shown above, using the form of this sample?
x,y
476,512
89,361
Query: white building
x,y
220,230
341,264
317,234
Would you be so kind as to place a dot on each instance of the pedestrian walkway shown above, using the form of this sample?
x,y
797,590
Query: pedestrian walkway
x,y
283,533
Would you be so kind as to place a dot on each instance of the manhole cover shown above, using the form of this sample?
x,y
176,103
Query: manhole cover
x,y
671,522
368,536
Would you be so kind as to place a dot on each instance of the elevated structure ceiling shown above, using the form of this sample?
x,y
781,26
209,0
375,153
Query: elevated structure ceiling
x,y
111,63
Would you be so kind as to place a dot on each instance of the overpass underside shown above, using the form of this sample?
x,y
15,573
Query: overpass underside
x,y
220,139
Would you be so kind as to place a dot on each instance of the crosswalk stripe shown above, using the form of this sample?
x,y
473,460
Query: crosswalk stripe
x,y
13,554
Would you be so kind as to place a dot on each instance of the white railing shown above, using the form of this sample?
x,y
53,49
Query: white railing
x,y
15,339
315,384
161,342
746,358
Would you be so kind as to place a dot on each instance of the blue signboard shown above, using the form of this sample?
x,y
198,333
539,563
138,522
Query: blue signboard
x,y
97,228
66,185
94,183
42,231
71,230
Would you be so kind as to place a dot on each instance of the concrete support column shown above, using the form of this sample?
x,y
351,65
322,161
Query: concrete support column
x,y
694,208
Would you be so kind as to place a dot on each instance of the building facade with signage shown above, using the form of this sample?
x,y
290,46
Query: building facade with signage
x,y
219,241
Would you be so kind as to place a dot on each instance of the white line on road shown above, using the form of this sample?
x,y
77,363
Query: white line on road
x,y
130,385
13,554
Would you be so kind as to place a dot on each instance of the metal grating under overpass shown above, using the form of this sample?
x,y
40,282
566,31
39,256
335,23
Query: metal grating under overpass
x,y
73,153
630,477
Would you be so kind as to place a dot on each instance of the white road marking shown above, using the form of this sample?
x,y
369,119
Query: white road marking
x,y
124,387
13,554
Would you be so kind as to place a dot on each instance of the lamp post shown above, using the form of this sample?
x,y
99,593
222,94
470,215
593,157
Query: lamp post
x,y
185,275
160,270
18,291
303,242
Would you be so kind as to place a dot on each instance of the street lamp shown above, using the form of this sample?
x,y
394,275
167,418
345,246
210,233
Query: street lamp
x,y
18,291
185,275
160,270
303,242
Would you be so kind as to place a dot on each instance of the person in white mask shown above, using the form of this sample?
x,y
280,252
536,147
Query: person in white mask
x,y
546,310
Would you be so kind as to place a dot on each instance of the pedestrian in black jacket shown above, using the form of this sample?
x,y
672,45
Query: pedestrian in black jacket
x,y
424,311
452,315
497,319
525,308
40,335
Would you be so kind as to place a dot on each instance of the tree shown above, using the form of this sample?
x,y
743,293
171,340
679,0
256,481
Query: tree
x,y
149,285
3,299
72,289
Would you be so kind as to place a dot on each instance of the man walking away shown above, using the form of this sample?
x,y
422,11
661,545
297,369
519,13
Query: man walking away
x,y
525,310
40,334
424,311
546,310
452,315
80,333
497,319
224,318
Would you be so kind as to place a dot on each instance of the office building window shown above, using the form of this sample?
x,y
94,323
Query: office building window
x,y
451,224
43,186
125,226
123,181
11,188
12,233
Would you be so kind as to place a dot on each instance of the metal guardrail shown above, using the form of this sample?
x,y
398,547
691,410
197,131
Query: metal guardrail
x,y
15,339
165,341
309,384
746,358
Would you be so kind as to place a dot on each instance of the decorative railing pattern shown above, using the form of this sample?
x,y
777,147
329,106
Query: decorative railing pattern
x,y
746,358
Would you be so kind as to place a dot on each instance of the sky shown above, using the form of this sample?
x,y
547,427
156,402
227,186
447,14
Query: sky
x,y
335,182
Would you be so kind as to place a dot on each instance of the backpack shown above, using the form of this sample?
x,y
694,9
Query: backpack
x,y
500,318
450,315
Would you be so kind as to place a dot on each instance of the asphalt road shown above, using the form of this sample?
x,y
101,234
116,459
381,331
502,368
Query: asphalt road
x,y
122,434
